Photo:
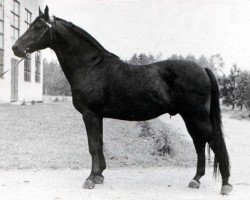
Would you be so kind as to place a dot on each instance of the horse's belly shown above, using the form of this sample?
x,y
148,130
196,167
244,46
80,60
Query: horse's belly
x,y
133,116
135,111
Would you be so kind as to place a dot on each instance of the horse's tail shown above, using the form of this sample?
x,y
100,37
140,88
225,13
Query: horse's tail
x,y
218,142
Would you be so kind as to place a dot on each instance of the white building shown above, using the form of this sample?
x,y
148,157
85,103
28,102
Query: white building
x,y
24,82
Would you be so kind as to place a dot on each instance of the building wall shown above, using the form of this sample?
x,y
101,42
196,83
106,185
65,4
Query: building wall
x,y
27,91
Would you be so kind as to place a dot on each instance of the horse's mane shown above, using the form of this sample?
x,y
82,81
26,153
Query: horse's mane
x,y
84,34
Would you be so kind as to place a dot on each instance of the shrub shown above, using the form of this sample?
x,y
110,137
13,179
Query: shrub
x,y
56,99
146,130
161,146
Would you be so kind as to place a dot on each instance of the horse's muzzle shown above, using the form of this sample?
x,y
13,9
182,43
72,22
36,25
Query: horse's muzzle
x,y
18,52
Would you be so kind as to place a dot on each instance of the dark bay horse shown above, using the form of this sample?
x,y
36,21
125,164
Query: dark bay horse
x,y
104,86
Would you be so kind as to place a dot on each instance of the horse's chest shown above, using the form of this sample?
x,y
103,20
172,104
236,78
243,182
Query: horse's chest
x,y
90,97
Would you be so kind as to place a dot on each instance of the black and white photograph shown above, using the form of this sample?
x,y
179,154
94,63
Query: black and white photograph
x,y
124,99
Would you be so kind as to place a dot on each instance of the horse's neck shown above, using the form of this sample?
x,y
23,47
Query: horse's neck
x,y
73,52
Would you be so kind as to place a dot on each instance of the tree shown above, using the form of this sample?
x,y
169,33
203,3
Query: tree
x,y
191,58
143,59
174,57
55,82
216,63
134,60
204,62
241,88
247,100
229,85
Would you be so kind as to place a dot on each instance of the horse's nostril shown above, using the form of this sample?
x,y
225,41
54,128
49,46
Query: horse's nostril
x,y
15,48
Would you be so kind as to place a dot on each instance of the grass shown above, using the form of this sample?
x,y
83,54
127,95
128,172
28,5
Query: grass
x,y
236,113
52,136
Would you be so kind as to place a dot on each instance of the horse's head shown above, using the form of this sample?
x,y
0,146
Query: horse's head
x,y
37,37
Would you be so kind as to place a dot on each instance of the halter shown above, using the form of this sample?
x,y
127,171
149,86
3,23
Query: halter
x,y
50,27
52,19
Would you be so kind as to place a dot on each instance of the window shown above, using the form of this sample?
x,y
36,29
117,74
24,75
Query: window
x,y
15,23
38,67
1,36
28,19
27,68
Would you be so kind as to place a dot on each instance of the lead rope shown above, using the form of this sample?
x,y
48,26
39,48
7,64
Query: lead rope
x,y
11,67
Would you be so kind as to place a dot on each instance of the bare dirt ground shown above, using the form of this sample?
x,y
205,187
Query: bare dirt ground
x,y
137,183
150,183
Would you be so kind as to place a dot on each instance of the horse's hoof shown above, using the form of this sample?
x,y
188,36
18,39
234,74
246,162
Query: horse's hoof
x,y
194,184
88,184
98,179
226,189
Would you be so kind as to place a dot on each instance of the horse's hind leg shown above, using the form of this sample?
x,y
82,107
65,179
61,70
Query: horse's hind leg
x,y
94,128
222,158
199,129
201,163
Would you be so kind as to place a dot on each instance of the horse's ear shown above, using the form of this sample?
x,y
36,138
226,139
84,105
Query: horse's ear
x,y
46,12
40,11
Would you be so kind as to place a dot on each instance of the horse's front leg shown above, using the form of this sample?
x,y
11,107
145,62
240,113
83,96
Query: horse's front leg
x,y
94,128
